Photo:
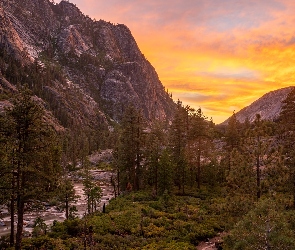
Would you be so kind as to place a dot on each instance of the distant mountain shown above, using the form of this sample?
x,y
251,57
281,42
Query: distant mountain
x,y
268,106
86,71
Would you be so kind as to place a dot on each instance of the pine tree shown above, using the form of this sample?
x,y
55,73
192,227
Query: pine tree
x,y
130,149
7,174
165,173
267,226
261,150
35,160
66,194
286,136
232,137
198,140
92,191
177,144
156,143
240,184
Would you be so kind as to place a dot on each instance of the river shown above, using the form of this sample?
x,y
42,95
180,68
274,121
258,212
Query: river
x,y
51,213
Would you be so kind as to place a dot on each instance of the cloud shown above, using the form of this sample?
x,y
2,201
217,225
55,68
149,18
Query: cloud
x,y
218,55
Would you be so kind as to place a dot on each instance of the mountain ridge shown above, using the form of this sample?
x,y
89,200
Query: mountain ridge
x,y
268,106
98,61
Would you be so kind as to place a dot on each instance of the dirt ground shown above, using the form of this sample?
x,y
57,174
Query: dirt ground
x,y
211,243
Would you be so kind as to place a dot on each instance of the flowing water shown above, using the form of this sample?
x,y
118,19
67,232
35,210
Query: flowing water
x,y
51,213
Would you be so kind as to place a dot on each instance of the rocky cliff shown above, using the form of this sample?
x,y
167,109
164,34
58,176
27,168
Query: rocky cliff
x,y
89,71
268,106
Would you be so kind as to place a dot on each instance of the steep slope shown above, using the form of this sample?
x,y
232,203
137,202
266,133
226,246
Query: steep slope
x,y
94,69
268,106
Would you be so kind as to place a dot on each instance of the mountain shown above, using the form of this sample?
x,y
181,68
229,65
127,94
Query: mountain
x,y
86,71
268,106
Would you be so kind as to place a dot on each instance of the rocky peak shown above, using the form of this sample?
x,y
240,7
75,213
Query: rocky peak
x,y
268,106
95,67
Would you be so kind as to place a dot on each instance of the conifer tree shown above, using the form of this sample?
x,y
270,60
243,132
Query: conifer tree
x,y
198,140
286,136
66,194
261,150
7,174
232,137
165,173
266,226
241,184
35,159
92,191
130,150
156,143
177,144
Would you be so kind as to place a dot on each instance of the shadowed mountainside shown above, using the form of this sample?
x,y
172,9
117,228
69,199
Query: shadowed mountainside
x,y
93,69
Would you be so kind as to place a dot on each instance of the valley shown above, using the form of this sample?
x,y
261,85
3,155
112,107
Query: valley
x,y
95,153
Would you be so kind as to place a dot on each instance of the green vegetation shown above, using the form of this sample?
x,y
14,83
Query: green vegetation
x,y
30,158
176,183
138,220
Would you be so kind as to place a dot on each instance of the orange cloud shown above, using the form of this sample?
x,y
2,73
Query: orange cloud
x,y
217,55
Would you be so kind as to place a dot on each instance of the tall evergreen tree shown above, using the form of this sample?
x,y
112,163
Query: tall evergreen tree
x,y
7,174
66,194
165,173
198,139
177,144
130,149
232,137
286,137
156,143
35,160
92,191
261,150
240,184
267,226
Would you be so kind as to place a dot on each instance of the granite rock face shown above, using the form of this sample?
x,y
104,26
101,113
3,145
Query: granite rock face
x,y
103,69
268,106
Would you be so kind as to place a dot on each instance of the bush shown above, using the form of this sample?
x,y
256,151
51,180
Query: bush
x,y
66,229
153,231
102,224
44,242
4,242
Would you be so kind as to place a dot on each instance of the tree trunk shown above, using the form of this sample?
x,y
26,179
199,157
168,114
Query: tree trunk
x,y
137,173
258,178
12,213
199,169
88,203
67,207
12,221
294,190
20,221
156,186
118,178
183,178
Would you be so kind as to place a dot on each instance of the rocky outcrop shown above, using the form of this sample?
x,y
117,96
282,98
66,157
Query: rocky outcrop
x,y
102,69
268,106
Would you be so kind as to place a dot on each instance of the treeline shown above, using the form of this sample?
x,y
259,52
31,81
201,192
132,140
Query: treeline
x,y
164,154
35,162
250,165
195,152
245,170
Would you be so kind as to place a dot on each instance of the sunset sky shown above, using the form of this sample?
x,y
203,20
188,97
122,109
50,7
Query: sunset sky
x,y
217,55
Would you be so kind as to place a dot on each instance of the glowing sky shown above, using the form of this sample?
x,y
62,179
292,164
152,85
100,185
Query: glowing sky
x,y
219,55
